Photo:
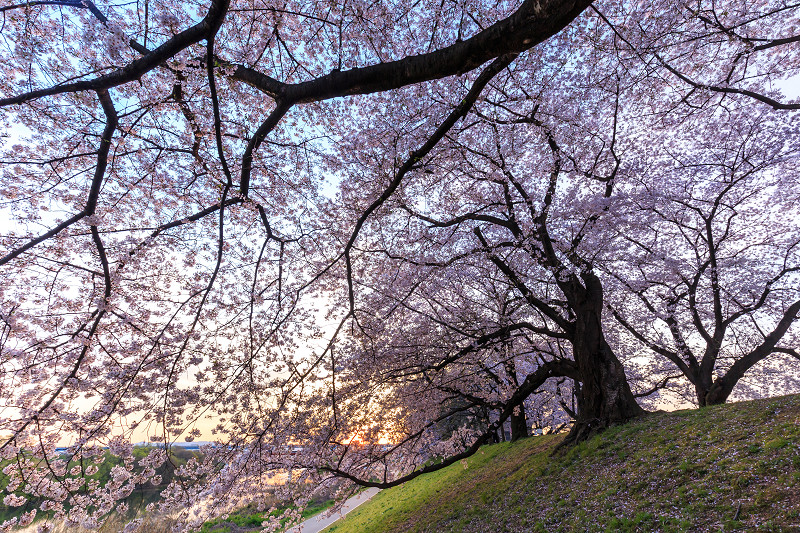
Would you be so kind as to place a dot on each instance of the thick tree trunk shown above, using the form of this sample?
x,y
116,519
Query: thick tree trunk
x,y
700,392
719,392
712,391
702,385
722,387
605,396
519,424
518,420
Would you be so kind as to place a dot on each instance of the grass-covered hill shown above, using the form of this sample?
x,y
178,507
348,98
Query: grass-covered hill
x,y
728,468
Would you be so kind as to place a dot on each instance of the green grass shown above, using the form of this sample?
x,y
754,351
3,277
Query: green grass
x,y
673,472
250,519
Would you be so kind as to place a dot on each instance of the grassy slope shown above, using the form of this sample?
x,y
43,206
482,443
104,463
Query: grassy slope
x,y
679,471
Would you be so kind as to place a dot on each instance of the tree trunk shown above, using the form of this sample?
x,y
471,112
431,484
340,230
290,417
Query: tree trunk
x,y
702,385
701,393
719,392
605,396
519,424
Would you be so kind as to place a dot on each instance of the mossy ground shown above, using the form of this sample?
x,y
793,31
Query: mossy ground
x,y
734,467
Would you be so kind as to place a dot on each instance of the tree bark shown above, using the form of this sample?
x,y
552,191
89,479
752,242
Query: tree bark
x,y
702,384
605,397
519,424
719,392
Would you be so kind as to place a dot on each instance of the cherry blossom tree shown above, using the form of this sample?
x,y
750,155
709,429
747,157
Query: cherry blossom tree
x,y
275,223
712,284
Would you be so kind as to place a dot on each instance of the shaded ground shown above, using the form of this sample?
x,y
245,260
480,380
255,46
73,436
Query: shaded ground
x,y
725,468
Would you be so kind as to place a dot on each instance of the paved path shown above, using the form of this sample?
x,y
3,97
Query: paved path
x,y
317,523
